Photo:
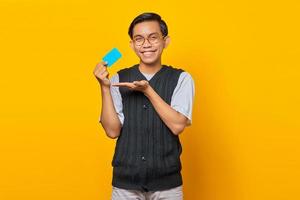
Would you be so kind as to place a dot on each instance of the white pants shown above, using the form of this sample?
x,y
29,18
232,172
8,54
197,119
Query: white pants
x,y
170,194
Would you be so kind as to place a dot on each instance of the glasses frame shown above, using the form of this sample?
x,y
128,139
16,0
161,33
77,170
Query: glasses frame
x,y
144,39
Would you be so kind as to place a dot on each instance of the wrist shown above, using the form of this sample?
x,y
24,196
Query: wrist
x,y
105,88
148,91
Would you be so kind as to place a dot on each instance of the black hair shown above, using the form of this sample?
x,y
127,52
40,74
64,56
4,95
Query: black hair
x,y
148,16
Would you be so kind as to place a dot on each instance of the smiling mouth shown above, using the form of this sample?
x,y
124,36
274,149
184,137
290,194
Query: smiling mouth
x,y
148,53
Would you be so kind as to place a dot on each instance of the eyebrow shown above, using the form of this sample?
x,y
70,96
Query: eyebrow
x,y
142,36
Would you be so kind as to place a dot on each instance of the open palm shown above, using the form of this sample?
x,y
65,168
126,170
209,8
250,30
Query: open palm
x,y
135,85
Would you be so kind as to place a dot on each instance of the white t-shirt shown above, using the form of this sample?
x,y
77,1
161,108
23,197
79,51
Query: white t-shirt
x,y
181,101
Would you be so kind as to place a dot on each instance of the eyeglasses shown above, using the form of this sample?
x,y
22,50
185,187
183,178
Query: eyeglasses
x,y
152,39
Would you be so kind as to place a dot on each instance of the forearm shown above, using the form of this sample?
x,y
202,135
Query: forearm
x,y
109,118
173,119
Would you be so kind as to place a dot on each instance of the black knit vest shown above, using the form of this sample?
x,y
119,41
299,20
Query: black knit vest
x,y
147,153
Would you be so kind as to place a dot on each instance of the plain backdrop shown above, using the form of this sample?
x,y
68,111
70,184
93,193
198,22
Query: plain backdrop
x,y
243,55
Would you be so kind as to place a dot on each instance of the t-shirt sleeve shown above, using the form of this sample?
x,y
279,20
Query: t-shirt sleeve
x,y
183,96
117,98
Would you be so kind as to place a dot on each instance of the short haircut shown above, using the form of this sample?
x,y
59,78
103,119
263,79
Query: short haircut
x,y
148,16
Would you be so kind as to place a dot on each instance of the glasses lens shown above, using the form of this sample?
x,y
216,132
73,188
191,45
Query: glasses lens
x,y
153,39
139,40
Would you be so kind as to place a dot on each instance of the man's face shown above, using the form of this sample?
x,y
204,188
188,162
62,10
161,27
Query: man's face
x,y
149,51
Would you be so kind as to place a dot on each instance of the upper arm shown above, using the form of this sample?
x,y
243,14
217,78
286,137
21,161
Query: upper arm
x,y
117,98
183,96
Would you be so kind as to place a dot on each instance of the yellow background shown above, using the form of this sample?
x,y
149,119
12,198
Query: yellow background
x,y
243,55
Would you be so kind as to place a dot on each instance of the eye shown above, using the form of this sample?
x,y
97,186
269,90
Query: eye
x,y
153,37
138,39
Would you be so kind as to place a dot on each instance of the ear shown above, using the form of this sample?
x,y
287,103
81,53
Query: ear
x,y
167,41
131,44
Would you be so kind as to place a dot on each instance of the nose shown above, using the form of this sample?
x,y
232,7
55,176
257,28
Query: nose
x,y
147,43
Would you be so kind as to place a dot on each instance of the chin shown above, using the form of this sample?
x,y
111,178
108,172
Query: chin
x,y
149,61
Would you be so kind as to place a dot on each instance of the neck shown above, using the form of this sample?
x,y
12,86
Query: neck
x,y
150,68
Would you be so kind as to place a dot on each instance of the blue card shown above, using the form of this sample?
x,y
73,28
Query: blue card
x,y
112,56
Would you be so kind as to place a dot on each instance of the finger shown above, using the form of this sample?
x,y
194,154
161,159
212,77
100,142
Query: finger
x,y
144,82
101,65
120,86
98,72
104,75
124,84
103,70
105,63
121,83
138,83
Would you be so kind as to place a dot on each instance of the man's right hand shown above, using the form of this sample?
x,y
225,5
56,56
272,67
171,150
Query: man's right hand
x,y
102,74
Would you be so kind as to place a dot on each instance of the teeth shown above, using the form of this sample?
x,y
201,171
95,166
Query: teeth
x,y
148,53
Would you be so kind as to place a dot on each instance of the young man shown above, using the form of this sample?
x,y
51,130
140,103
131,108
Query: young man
x,y
146,107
